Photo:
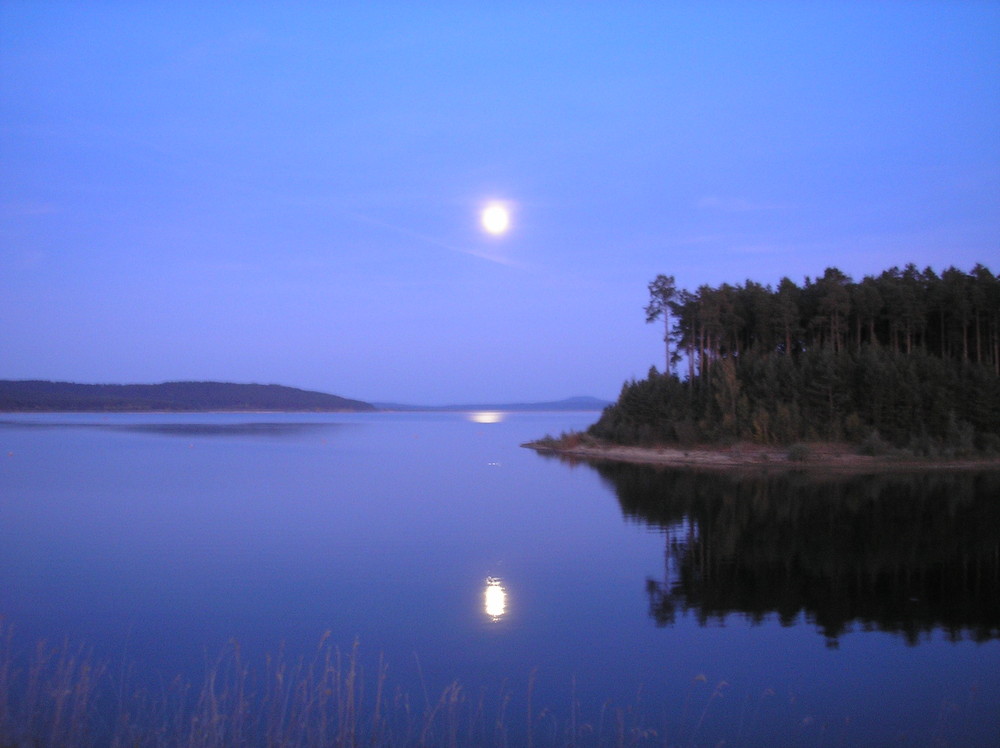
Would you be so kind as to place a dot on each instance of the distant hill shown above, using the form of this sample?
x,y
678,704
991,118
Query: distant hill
x,y
39,396
571,403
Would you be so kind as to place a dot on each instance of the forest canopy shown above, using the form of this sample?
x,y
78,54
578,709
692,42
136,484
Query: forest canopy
x,y
905,358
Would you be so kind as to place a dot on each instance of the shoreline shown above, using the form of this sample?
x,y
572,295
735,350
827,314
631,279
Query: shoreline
x,y
816,456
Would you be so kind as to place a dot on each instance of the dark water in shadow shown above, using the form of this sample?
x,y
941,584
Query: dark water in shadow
x,y
908,554
855,611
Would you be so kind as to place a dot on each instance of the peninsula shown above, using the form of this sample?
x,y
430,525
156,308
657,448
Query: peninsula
x,y
899,368
840,457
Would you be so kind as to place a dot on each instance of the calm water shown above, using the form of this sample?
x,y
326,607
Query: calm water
x,y
818,610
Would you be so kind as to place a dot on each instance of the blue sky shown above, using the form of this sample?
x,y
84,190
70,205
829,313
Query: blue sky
x,y
289,192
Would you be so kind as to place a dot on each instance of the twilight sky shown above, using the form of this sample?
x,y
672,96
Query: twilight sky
x,y
290,192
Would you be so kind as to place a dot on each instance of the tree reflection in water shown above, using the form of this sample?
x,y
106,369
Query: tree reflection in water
x,y
902,553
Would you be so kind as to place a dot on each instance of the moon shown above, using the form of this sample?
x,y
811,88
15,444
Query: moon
x,y
495,219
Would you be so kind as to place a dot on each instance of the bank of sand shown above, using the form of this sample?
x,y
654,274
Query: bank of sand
x,y
828,456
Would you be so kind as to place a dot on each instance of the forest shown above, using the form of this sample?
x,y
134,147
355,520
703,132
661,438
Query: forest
x,y
907,359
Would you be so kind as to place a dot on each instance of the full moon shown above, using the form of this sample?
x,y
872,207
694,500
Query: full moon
x,y
495,219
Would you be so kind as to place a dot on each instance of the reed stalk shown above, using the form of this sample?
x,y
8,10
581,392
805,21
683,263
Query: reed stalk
x,y
62,697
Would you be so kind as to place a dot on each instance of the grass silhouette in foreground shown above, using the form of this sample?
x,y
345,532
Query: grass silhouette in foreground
x,y
61,697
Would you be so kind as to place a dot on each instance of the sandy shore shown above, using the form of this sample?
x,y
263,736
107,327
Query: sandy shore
x,y
839,457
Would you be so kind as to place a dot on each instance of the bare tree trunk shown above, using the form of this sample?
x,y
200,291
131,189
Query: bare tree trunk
x,y
979,347
666,342
701,351
996,346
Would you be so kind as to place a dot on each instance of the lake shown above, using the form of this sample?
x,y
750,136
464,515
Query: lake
x,y
570,603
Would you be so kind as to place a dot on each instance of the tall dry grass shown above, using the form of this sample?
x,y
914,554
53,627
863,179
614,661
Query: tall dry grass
x,y
61,697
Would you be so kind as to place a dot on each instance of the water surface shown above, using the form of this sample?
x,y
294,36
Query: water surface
x,y
788,608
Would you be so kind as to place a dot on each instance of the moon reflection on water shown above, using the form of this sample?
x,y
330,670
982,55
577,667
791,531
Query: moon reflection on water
x,y
495,599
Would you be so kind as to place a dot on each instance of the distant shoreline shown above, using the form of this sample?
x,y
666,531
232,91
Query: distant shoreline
x,y
43,396
177,411
38,396
813,456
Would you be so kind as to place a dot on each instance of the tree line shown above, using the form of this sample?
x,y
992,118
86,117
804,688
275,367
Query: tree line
x,y
907,357
952,315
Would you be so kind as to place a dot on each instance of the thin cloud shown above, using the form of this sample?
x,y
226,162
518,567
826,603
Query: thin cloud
x,y
22,209
735,205
221,48
499,259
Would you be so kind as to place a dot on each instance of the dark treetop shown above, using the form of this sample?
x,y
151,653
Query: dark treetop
x,y
908,358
